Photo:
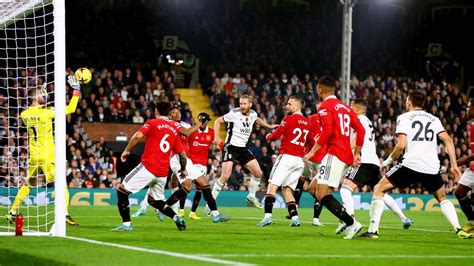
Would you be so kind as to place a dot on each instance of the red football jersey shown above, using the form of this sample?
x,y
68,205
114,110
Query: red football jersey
x,y
184,139
471,140
199,144
161,140
295,130
315,125
337,119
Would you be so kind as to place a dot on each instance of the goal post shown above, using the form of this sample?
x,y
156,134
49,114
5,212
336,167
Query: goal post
x,y
32,53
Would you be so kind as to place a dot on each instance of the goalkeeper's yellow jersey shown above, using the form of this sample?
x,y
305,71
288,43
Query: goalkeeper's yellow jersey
x,y
39,123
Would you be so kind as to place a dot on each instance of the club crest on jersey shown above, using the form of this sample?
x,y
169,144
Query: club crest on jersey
x,y
208,138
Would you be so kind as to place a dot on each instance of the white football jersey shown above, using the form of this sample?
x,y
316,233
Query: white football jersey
x,y
368,152
239,127
421,129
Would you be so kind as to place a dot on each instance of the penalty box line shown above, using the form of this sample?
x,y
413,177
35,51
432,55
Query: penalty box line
x,y
162,252
341,256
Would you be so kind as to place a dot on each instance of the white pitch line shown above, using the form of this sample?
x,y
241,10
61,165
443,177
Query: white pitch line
x,y
388,227
162,252
342,256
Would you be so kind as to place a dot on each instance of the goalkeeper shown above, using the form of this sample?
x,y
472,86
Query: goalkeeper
x,y
38,120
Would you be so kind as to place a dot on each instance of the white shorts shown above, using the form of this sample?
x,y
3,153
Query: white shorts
x,y
467,178
331,171
192,171
201,168
310,170
287,171
140,177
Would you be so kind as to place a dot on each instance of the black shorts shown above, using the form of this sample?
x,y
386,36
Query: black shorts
x,y
365,174
402,177
239,154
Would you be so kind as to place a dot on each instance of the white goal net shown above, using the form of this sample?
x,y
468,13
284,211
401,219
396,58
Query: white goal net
x,y
31,52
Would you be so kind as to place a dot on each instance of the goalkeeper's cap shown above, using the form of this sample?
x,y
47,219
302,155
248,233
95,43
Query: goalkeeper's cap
x,y
163,108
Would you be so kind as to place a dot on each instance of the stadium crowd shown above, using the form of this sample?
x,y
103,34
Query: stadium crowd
x,y
129,96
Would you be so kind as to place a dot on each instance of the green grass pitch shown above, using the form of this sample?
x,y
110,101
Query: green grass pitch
x,y
430,241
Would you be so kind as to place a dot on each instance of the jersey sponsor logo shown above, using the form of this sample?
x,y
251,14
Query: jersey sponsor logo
x,y
246,123
195,144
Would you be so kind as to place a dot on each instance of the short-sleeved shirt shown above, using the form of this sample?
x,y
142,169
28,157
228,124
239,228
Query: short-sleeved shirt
x,y
368,152
315,126
199,144
162,139
184,139
421,129
295,129
239,126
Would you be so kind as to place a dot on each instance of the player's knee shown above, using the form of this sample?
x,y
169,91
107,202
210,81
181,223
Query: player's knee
x,y
461,192
157,204
186,185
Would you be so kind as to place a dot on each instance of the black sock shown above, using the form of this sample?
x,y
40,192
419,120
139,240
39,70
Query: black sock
x,y
196,199
211,202
336,208
269,200
177,195
292,208
317,208
160,205
466,206
123,205
298,191
182,202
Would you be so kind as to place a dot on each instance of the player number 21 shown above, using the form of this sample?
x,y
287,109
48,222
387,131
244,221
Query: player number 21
x,y
344,121
298,133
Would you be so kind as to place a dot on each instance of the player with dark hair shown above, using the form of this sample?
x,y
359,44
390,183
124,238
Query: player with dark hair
x,y
337,119
417,135
466,183
368,173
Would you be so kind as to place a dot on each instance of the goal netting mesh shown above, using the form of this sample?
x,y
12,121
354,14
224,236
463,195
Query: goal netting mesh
x,y
27,62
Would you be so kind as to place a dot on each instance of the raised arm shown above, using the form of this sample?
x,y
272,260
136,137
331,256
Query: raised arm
x,y
71,107
264,124
137,137
278,132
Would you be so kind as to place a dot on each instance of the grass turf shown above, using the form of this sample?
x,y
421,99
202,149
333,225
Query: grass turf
x,y
429,241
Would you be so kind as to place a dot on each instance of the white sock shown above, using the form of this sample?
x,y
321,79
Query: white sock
x,y
315,220
181,210
175,218
127,223
215,213
294,218
376,210
268,215
175,206
347,199
144,204
216,189
253,186
393,206
447,208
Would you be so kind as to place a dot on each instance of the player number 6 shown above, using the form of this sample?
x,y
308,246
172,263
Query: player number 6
x,y
165,145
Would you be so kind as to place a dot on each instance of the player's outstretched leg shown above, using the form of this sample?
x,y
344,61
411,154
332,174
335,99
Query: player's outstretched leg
x,y
268,203
317,209
211,202
123,205
256,173
393,206
168,211
196,199
22,193
466,201
143,207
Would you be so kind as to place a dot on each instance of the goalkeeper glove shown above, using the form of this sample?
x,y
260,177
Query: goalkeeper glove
x,y
74,83
387,162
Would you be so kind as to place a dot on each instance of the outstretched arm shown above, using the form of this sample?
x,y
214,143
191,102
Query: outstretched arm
x,y
133,141
448,142
71,107
265,124
217,127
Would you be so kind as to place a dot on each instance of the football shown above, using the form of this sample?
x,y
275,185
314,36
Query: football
x,y
83,75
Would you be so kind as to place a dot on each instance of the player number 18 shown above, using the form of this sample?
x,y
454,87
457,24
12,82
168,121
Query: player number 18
x,y
344,121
